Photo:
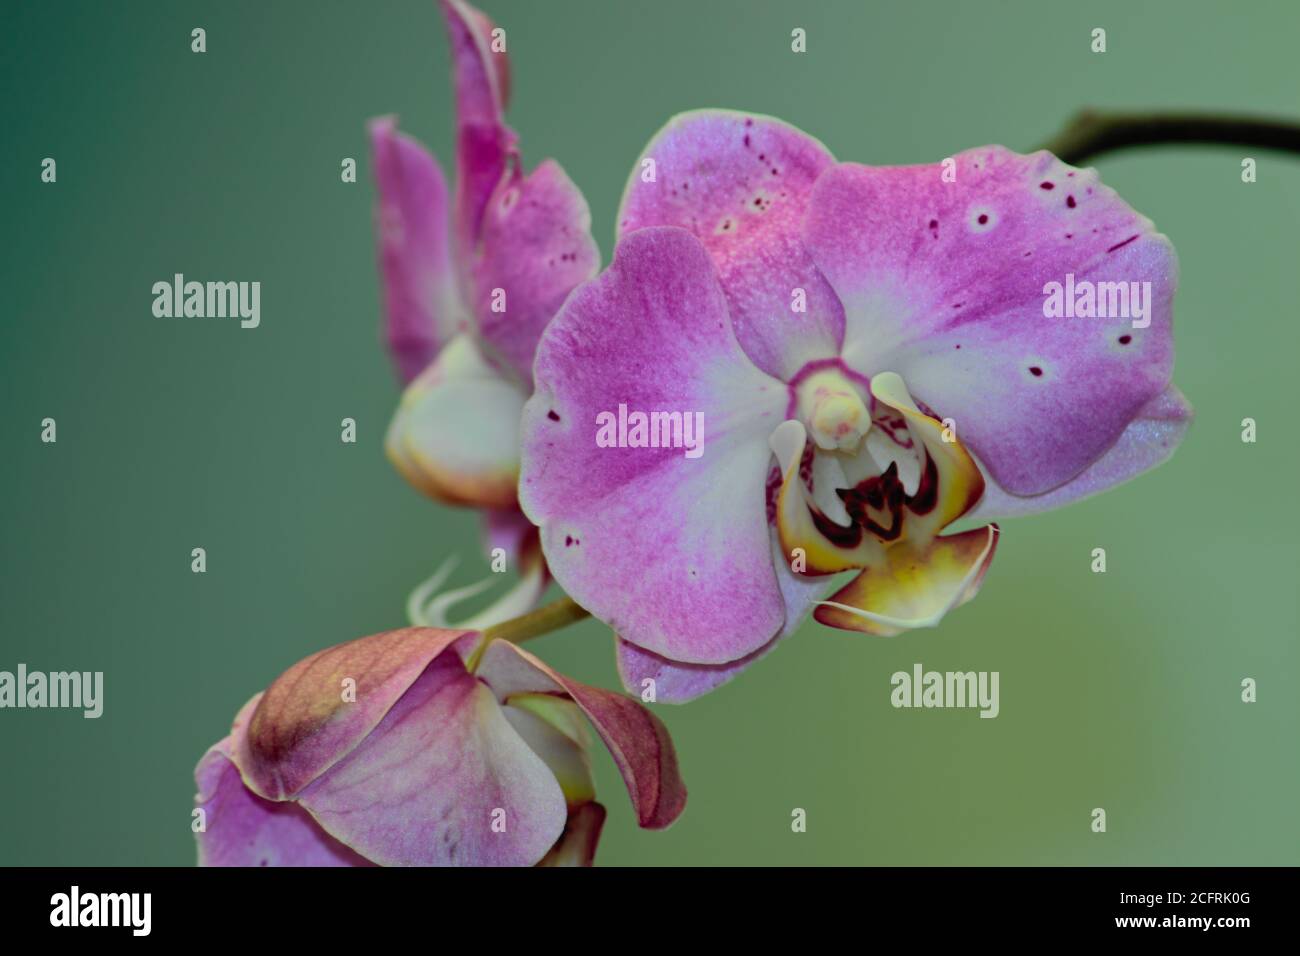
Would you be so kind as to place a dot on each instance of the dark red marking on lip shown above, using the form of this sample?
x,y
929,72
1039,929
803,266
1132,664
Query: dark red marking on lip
x,y
1121,245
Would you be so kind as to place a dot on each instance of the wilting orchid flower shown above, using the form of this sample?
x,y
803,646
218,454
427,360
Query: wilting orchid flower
x,y
469,283
882,333
423,746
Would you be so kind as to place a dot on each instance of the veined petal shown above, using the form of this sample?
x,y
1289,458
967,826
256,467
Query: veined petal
x,y
1149,440
304,723
421,306
581,834
535,247
455,435
637,740
670,550
949,284
740,184
915,587
442,780
242,829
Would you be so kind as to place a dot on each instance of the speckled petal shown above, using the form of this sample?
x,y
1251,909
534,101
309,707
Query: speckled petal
x,y
242,829
671,551
535,247
303,725
421,306
1149,440
740,183
442,780
455,435
946,284
637,740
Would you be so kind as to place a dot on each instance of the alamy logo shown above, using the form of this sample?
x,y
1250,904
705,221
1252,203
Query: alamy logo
x,y
75,689
102,909
651,430
1098,300
209,300
923,688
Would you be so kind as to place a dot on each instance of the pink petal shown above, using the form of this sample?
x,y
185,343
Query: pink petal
x,y
677,683
485,146
302,725
421,306
636,738
242,829
670,551
943,283
1149,440
508,529
741,184
442,780
535,247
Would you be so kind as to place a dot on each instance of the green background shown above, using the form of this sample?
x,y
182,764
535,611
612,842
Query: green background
x,y
1119,690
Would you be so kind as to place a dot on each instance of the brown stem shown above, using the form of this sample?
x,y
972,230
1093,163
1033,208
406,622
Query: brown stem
x,y
1093,132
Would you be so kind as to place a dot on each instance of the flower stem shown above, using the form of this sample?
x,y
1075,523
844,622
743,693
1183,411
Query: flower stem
x,y
547,618
1093,132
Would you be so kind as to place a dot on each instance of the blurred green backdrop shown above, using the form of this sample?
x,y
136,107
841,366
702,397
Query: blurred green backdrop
x,y
1119,690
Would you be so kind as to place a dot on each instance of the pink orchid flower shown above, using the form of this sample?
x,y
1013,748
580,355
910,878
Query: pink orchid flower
x,y
882,334
469,283
425,747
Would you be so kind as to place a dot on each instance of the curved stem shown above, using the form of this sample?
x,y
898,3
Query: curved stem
x,y
547,618
1093,132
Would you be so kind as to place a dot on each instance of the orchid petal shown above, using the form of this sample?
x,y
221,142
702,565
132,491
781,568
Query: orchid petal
x,y
637,740
304,724
581,834
677,683
455,435
740,184
553,728
1149,440
421,306
242,829
444,779
945,282
485,146
671,551
535,247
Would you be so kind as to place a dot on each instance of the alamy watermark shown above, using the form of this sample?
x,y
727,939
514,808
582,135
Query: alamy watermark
x,y
651,430
922,688
209,300
80,690
1098,300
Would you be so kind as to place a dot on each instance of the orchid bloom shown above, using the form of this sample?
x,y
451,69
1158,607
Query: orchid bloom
x,y
870,353
424,746
469,283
